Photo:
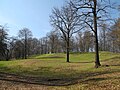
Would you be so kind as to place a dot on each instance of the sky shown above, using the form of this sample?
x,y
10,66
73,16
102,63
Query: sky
x,y
32,14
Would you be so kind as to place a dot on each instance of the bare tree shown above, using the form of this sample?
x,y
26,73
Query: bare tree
x,y
66,21
33,46
114,36
85,41
24,34
18,51
44,45
102,37
3,42
93,11
54,41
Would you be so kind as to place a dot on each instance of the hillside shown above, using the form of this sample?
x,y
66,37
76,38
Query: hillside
x,y
51,72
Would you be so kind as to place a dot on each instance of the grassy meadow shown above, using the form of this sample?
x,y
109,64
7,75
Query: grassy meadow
x,y
51,72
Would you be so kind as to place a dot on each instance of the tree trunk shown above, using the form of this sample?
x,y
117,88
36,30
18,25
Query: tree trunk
x,y
97,62
67,50
25,48
104,43
7,55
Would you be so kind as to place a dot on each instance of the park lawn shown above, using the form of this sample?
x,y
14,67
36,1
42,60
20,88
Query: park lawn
x,y
76,57
79,74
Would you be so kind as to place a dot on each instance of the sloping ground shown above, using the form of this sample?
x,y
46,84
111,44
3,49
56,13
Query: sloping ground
x,y
58,75
76,57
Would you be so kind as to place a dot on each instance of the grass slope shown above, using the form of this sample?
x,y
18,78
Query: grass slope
x,y
76,57
52,71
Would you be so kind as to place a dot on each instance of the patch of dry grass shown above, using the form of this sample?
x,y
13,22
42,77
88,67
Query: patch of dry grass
x,y
58,75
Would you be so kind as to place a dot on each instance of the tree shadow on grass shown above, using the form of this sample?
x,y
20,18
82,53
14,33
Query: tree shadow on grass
x,y
106,60
82,62
52,57
80,77
85,77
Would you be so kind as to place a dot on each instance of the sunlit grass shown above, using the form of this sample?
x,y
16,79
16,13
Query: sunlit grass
x,y
76,57
80,68
54,64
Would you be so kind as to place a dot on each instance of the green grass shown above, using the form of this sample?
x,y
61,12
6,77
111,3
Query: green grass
x,y
76,57
80,72
54,64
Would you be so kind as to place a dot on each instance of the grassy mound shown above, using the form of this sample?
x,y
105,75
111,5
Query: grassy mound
x,y
52,71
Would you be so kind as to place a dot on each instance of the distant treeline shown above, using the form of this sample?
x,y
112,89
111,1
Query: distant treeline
x,y
25,45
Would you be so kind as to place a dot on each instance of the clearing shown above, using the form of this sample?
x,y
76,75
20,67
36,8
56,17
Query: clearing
x,y
51,72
